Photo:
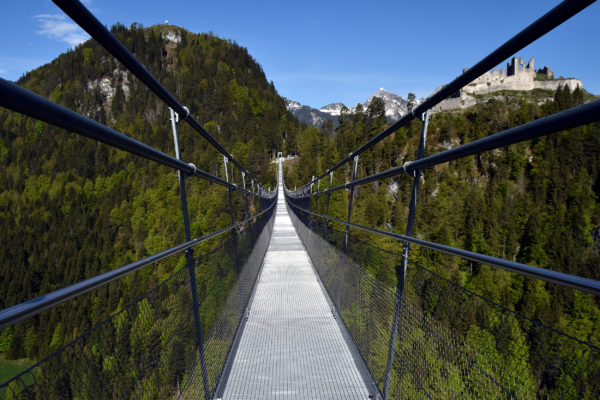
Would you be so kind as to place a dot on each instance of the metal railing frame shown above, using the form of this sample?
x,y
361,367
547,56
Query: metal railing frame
x,y
574,117
401,274
18,99
11,315
571,118
576,282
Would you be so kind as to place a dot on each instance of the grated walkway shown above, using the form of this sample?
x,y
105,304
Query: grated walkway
x,y
291,346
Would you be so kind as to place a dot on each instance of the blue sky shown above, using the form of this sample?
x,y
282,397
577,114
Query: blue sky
x,y
320,52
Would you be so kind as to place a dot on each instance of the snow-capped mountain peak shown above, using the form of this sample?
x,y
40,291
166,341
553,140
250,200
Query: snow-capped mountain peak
x,y
396,106
334,109
293,105
307,114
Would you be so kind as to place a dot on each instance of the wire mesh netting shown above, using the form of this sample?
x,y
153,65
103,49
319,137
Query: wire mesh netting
x,y
149,348
459,344
451,343
116,357
222,309
365,304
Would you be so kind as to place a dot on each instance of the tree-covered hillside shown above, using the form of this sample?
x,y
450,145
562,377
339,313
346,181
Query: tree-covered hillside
x,y
71,208
535,202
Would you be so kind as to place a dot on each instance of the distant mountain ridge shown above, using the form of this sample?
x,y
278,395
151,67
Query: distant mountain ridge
x,y
396,106
310,116
517,77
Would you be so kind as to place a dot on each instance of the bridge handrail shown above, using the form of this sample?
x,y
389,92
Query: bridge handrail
x,y
571,118
553,18
29,308
28,103
577,282
86,20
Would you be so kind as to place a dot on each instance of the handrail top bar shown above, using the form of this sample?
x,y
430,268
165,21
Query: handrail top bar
x,y
531,33
21,100
86,20
567,119
29,308
573,281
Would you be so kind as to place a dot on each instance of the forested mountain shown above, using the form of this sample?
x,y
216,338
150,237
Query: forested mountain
x,y
71,208
535,202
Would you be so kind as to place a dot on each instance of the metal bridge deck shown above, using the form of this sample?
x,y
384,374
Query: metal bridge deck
x,y
292,346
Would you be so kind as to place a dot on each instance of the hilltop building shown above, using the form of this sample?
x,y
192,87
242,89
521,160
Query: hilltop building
x,y
516,76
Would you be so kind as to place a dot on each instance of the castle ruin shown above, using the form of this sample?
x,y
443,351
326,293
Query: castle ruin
x,y
517,76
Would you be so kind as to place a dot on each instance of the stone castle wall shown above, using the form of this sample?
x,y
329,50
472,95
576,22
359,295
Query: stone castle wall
x,y
517,76
517,82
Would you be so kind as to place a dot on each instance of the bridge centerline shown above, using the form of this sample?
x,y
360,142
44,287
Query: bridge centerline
x,y
291,345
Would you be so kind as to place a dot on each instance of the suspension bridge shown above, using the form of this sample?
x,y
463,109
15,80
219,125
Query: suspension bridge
x,y
303,317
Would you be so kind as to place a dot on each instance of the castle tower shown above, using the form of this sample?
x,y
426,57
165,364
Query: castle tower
x,y
511,66
530,66
521,67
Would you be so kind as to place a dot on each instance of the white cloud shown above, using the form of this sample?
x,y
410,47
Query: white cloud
x,y
57,27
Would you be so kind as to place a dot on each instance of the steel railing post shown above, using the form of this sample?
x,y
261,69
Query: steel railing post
x,y
310,200
254,197
234,238
233,231
328,202
401,271
190,256
342,273
350,204
317,195
246,206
